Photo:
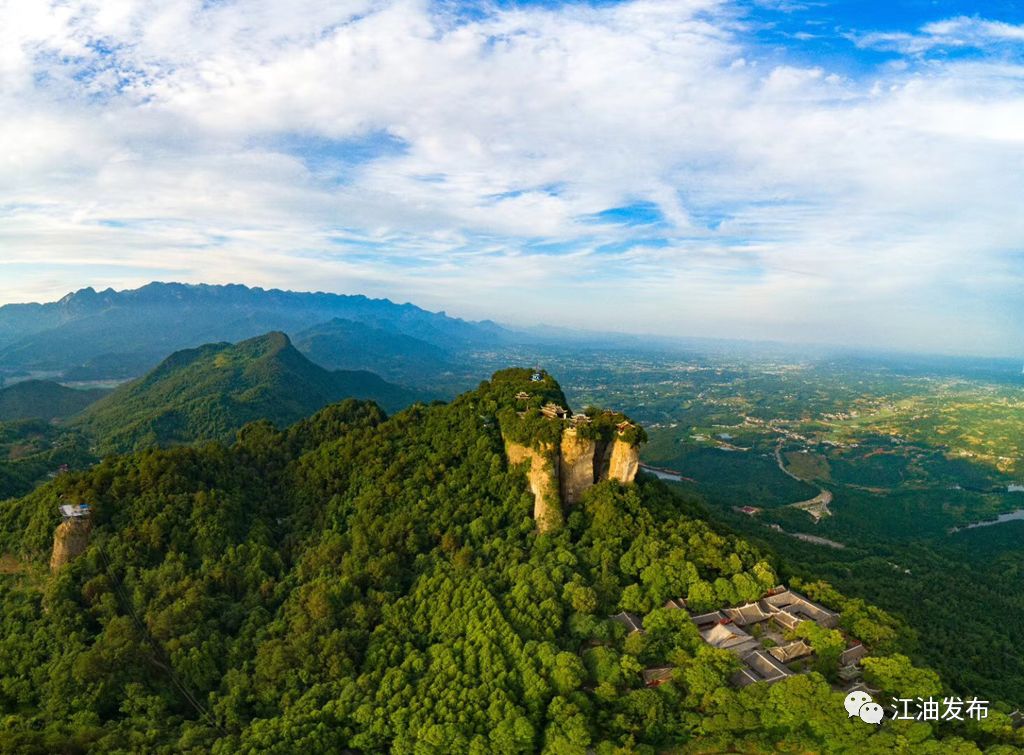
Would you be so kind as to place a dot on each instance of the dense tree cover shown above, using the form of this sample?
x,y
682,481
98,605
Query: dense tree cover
x,y
961,593
908,452
43,399
523,422
210,392
32,450
604,426
378,584
521,419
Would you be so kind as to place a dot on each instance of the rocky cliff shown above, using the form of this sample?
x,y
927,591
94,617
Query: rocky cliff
x,y
624,462
559,479
69,541
543,478
567,452
576,468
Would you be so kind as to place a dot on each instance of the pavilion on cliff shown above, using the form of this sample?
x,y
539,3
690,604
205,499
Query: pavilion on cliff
x,y
81,511
554,411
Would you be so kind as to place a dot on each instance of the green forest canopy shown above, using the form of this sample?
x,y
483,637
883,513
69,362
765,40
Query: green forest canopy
x,y
208,393
378,584
45,400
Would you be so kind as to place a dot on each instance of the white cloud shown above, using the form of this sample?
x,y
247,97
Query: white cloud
x,y
952,33
144,140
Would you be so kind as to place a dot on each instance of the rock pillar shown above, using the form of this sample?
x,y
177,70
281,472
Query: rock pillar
x,y
70,540
543,478
576,467
625,461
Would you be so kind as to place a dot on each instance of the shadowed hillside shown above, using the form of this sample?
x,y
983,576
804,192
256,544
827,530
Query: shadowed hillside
x,y
350,345
42,399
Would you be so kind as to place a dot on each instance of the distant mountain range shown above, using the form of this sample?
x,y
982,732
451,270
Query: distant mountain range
x,y
95,335
349,345
105,335
208,393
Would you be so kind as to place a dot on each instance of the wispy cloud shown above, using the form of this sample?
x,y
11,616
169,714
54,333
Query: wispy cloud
x,y
963,32
530,163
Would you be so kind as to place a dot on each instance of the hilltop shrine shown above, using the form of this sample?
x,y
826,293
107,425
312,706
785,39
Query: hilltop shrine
x,y
565,453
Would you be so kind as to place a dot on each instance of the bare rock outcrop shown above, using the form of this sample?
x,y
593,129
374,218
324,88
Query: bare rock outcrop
x,y
625,461
70,540
543,478
565,454
576,466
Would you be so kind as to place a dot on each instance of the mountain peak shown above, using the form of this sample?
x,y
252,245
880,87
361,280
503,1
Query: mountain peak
x,y
273,342
210,392
72,295
88,327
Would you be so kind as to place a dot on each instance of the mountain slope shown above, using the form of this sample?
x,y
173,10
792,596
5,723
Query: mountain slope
x,y
356,583
350,345
132,326
42,399
210,392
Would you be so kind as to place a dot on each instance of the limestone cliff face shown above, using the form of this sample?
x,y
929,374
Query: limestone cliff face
x,y
543,479
577,466
69,541
560,475
624,462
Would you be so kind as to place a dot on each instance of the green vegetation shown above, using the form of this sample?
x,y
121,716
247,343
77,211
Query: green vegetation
x,y
908,453
42,399
32,451
210,392
737,477
808,465
378,584
606,425
828,645
521,419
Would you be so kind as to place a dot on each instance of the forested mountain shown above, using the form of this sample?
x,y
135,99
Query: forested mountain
x,y
210,392
101,334
349,345
370,584
32,451
43,399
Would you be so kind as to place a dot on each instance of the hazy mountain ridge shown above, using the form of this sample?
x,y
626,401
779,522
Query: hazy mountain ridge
x,y
351,345
148,323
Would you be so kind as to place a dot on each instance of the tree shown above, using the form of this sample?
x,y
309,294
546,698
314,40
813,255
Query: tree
x,y
897,677
828,646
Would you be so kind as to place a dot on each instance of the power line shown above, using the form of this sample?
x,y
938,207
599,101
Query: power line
x,y
160,659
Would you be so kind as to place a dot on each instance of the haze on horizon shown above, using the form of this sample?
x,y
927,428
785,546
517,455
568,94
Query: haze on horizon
x,y
830,172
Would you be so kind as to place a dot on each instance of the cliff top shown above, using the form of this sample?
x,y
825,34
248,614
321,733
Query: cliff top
x,y
529,404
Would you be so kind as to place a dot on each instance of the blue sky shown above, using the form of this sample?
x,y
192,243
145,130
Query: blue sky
x,y
844,172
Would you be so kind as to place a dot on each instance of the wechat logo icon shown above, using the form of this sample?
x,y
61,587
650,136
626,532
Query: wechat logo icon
x,y
859,703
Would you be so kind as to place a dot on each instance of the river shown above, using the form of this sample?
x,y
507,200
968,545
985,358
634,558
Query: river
x,y
1011,516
